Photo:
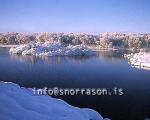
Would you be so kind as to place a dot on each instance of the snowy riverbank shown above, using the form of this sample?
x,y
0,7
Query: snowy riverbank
x,y
51,49
141,59
21,104
7,46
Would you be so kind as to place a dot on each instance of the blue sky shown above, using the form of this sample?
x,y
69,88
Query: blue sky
x,y
75,15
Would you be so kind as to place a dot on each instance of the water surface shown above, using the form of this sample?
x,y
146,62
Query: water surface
x,y
106,70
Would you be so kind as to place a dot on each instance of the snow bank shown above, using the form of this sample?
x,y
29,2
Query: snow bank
x,y
21,104
7,46
51,49
140,59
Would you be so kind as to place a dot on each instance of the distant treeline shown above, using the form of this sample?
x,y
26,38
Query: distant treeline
x,y
103,40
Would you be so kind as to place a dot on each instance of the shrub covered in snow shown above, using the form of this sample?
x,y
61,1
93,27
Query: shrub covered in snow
x,y
51,49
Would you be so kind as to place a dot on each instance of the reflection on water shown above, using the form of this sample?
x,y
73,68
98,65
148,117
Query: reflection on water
x,y
111,55
49,60
29,59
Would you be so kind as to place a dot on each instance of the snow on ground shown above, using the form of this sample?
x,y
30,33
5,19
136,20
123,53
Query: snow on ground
x,y
7,46
141,59
21,104
51,49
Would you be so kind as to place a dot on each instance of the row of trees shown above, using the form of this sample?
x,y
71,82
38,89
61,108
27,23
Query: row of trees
x,y
103,40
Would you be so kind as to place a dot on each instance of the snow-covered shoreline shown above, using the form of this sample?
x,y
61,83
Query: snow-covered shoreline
x,y
93,48
51,49
21,104
7,46
141,59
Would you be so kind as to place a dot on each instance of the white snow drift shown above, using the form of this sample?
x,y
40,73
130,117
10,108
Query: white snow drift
x,y
21,104
141,59
51,49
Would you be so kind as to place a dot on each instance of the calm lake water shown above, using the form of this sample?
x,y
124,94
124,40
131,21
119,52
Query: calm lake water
x,y
106,70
